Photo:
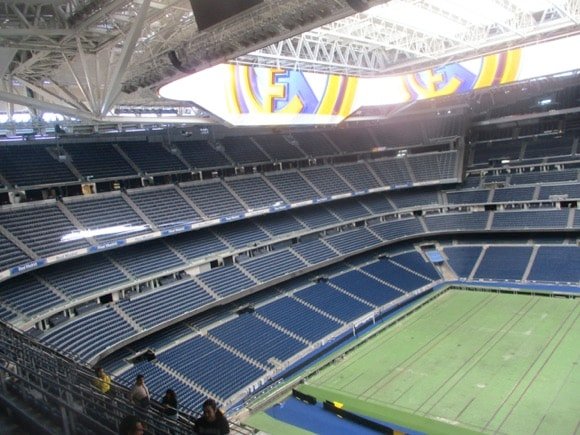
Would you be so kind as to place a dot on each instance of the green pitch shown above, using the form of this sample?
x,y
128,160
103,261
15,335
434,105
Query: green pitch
x,y
467,361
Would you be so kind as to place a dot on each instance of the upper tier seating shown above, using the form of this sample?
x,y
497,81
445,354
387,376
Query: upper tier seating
x,y
292,185
315,217
226,280
530,219
152,158
110,214
484,152
315,251
377,204
164,206
437,166
352,140
543,147
87,336
413,198
513,194
242,150
358,175
571,191
201,155
30,165
392,172
99,161
270,266
43,228
213,199
155,307
197,244
146,258
348,210
242,233
278,148
352,241
395,229
544,177
315,144
255,192
326,180
278,224
457,221
29,296
10,254
468,197
391,273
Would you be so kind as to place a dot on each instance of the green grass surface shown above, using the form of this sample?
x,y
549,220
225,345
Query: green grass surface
x,y
267,424
468,361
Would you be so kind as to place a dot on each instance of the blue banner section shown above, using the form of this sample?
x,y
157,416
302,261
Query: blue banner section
x,y
235,217
27,266
176,230
105,246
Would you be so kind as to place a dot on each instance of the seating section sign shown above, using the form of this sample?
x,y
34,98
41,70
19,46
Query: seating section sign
x,y
246,95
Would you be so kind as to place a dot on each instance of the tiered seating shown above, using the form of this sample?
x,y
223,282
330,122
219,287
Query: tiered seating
x,y
352,140
42,229
333,302
241,234
10,254
413,261
358,175
255,192
545,177
152,158
388,271
513,194
315,144
28,295
544,147
87,336
163,338
462,258
201,155
457,221
99,161
159,306
158,381
214,199
365,287
82,276
326,180
571,191
197,244
556,264
483,153
6,314
530,219
25,165
164,206
298,319
396,229
348,210
242,150
110,214
226,280
278,224
259,340
468,197
392,172
377,203
267,267
315,217
413,198
209,365
278,148
504,262
314,252
431,167
146,258
471,181
292,186
352,241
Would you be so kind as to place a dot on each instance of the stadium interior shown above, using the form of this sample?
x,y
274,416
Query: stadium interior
x,y
223,246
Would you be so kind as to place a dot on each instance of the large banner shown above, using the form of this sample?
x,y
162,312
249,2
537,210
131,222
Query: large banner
x,y
245,95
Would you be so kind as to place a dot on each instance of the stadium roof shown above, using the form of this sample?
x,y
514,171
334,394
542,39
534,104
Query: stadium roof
x,y
94,59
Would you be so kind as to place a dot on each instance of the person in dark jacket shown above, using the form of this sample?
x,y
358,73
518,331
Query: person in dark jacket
x,y
169,403
213,421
